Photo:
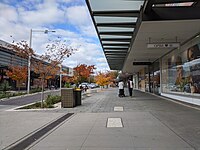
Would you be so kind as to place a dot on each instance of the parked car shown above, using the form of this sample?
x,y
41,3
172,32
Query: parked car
x,y
92,85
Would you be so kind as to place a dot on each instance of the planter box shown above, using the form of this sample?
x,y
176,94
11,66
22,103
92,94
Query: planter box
x,y
67,98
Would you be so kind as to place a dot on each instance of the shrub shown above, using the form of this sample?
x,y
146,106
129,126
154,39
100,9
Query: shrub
x,y
4,86
3,95
67,85
49,102
52,99
36,90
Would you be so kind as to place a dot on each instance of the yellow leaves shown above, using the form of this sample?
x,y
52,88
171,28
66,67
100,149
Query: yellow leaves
x,y
105,78
102,79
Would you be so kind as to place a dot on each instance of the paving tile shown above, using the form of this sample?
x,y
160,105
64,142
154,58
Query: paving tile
x,y
151,131
108,141
164,148
109,131
72,130
54,148
150,123
159,142
95,148
62,141
114,123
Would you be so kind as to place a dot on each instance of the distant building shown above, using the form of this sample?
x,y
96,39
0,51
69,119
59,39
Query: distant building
x,y
8,57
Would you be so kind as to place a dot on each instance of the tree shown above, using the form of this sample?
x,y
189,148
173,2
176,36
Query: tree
x,y
17,73
106,78
102,79
48,65
82,72
22,49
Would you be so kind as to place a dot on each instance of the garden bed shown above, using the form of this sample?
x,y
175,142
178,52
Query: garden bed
x,y
48,103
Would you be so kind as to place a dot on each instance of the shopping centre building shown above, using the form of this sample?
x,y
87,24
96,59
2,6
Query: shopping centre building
x,y
9,58
156,41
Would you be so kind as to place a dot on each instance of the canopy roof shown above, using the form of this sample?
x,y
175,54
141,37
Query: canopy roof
x,y
117,22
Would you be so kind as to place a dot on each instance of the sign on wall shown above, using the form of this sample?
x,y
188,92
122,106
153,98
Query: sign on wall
x,y
163,45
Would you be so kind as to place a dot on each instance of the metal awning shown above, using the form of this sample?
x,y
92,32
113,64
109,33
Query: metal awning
x,y
115,21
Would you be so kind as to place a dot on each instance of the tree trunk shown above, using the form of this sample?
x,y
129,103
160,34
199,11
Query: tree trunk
x,y
42,94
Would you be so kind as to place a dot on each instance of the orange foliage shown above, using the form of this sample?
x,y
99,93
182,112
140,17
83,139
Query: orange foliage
x,y
46,71
67,79
17,73
102,79
105,78
82,72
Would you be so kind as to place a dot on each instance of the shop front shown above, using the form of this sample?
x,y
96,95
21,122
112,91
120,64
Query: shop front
x,y
149,78
181,73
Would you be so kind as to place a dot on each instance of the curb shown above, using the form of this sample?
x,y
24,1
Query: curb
x,y
15,97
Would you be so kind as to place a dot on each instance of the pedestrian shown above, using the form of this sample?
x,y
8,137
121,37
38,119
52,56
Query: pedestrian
x,y
130,87
121,88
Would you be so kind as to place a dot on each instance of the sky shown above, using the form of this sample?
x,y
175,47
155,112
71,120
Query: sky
x,y
69,18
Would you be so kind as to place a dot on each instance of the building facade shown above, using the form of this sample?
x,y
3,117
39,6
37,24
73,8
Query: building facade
x,y
9,58
157,41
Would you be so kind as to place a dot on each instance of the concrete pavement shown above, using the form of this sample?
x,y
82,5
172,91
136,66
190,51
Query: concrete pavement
x,y
149,123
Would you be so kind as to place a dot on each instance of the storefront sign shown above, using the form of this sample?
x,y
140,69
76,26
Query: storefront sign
x,y
163,45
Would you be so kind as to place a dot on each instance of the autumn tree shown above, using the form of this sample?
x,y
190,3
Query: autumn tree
x,y
22,49
113,76
17,73
102,79
48,65
82,73
24,52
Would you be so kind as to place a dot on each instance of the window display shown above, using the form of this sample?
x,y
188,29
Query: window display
x,y
181,71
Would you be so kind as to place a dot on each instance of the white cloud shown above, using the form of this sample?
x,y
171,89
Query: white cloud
x,y
102,59
45,13
77,15
64,1
8,12
89,31
38,14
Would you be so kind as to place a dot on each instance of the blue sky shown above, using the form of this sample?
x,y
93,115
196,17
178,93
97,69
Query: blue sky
x,y
69,18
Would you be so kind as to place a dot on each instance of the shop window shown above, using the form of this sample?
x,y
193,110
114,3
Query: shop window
x,y
182,73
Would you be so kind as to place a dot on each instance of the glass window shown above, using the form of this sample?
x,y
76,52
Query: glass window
x,y
181,71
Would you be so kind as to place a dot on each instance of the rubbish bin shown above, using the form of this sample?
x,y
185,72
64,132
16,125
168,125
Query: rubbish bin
x,y
67,98
77,97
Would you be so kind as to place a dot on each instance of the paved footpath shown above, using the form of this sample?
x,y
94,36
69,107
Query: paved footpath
x,y
148,123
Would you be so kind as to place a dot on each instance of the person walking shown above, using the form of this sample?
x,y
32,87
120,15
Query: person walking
x,y
121,88
130,87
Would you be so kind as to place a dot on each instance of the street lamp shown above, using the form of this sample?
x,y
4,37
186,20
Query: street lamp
x,y
60,77
29,57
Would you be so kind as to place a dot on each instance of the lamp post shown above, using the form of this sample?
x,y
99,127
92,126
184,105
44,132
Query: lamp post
x,y
29,57
60,76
